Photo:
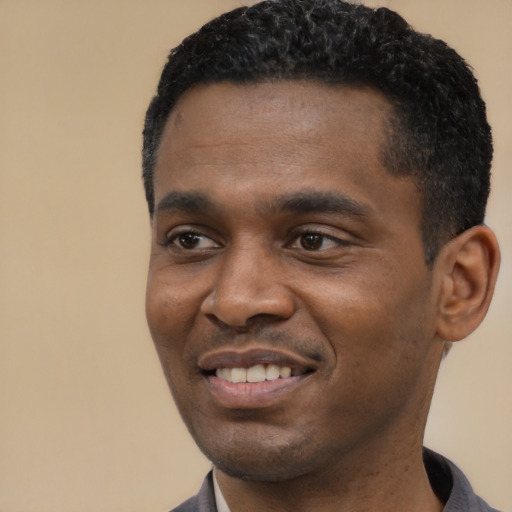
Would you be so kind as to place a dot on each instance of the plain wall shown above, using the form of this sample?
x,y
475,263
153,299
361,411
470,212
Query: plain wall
x,y
86,420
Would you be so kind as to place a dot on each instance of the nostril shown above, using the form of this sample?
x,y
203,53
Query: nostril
x,y
223,325
239,303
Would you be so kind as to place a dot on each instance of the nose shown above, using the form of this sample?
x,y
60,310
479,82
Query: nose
x,y
249,288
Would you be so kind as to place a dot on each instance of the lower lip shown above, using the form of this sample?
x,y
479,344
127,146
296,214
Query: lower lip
x,y
252,395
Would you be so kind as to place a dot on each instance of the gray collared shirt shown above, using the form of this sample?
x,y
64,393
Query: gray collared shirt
x,y
447,480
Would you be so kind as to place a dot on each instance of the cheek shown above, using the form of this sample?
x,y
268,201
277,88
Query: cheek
x,y
380,351
376,321
166,316
159,307
166,311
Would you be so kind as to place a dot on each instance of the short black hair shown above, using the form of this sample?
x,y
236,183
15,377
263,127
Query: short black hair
x,y
438,131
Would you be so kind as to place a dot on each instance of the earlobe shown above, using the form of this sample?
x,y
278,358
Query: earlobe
x,y
468,267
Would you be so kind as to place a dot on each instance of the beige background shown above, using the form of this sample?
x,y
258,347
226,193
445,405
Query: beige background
x,y
86,421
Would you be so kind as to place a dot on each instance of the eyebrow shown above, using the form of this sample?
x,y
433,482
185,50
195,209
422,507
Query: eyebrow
x,y
298,202
321,202
188,202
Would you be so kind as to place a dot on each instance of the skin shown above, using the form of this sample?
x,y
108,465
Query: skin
x,y
279,236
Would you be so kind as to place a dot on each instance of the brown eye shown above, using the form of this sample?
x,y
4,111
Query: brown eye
x,y
311,241
316,241
191,240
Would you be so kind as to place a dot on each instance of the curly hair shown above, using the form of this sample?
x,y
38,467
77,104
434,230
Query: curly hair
x,y
438,130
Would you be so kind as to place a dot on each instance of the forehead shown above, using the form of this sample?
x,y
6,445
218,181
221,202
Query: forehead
x,y
305,114
280,138
282,97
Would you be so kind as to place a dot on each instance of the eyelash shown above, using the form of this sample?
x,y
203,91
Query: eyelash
x,y
297,238
323,238
171,240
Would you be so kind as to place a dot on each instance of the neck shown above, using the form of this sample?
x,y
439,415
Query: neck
x,y
370,481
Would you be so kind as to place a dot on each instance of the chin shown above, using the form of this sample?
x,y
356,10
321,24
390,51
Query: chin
x,y
249,459
257,472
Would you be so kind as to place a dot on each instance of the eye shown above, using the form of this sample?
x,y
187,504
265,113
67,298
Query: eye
x,y
190,240
311,241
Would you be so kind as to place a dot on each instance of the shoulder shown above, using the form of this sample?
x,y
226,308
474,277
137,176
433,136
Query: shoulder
x,y
451,485
189,505
203,501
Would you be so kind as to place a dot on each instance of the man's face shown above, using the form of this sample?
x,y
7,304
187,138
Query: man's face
x,y
283,253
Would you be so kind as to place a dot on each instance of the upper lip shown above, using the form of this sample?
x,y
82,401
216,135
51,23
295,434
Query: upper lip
x,y
231,358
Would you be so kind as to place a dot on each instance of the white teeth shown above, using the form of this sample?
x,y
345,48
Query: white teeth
x,y
285,372
272,372
238,375
224,373
256,373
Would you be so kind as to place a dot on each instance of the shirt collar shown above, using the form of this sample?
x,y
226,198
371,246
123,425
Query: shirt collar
x,y
222,506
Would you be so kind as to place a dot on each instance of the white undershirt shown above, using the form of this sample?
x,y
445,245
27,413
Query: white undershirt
x,y
222,506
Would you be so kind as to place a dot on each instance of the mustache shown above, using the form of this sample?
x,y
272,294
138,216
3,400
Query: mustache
x,y
264,336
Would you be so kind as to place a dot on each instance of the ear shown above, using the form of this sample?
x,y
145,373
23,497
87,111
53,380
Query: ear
x,y
468,267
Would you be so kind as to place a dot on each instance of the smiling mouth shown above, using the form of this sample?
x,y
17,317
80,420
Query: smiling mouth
x,y
254,378
254,370
258,373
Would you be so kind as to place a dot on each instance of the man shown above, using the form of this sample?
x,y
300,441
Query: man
x,y
316,174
